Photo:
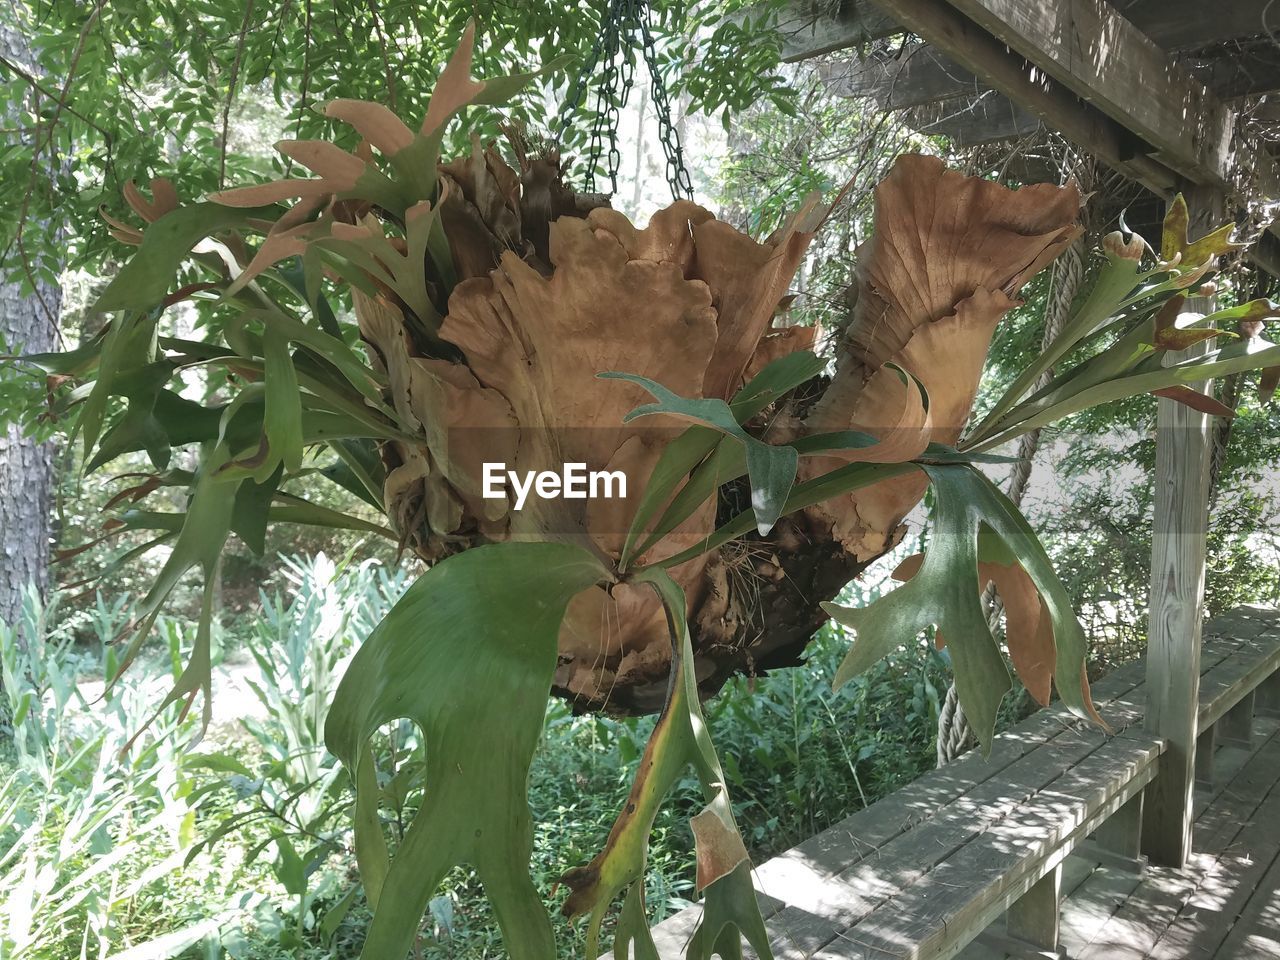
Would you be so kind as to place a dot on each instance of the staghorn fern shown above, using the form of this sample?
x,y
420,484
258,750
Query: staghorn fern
x,y
488,299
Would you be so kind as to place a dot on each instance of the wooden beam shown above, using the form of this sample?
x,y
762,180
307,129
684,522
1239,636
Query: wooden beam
x,y
1121,836
1100,56
812,28
979,52
1206,750
1248,70
969,123
1236,726
1034,917
1180,519
917,75
1080,66
1192,24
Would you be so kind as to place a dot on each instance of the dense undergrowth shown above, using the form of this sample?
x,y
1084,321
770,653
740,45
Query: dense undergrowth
x,y
239,846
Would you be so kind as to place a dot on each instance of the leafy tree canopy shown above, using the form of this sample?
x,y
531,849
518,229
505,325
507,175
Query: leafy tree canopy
x,y
139,88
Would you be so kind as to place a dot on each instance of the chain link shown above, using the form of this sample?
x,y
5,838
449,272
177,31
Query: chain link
x,y
625,22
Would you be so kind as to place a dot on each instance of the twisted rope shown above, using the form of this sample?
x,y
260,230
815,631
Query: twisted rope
x,y
955,736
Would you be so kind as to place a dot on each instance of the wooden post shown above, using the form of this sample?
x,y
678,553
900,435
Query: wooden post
x,y
1034,918
1118,842
1237,725
1206,747
1177,596
1268,702
1031,922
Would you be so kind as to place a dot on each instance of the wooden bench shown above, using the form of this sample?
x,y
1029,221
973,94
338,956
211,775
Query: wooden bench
x,y
927,870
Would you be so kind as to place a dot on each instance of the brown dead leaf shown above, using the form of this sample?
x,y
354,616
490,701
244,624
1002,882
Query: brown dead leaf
x,y
941,237
1195,400
718,846
378,125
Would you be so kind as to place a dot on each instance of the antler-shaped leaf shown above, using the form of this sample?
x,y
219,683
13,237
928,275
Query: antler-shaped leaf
x,y
480,717
679,739
945,592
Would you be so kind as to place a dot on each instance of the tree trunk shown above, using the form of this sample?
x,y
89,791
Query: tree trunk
x,y
26,466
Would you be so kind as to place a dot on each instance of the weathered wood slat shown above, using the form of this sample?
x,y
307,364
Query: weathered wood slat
x,y
846,898
986,119
1224,686
1054,103
810,28
904,852
916,75
1097,54
1190,24
864,832
1255,935
1033,919
1088,909
972,887
1150,923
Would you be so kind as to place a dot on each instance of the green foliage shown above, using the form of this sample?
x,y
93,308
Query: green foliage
x,y
507,600
123,91
461,665
797,759
945,594
88,826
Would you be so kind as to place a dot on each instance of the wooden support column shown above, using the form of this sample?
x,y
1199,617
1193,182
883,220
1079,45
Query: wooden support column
x,y
1177,596
1031,922
1118,842
1206,747
1268,702
1237,725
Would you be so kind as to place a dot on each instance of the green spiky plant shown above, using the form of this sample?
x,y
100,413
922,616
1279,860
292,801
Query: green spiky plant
x,y
499,315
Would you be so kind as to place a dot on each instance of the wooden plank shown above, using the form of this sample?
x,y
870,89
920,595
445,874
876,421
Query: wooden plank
x,y
811,28
1248,70
1177,596
1101,57
864,833
807,873
1090,907
969,123
846,898
1087,914
1075,873
1147,918
1206,747
916,75
1189,24
1122,834
1255,934
985,56
936,920
1223,687
1230,872
1268,702
1248,621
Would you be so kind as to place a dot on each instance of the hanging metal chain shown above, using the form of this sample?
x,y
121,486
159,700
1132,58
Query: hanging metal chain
x,y
668,133
625,22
